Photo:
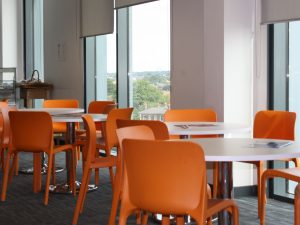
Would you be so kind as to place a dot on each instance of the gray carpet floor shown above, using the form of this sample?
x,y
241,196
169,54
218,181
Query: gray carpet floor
x,y
24,207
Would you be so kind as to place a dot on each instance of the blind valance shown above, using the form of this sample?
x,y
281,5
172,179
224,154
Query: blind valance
x,y
97,17
126,3
273,11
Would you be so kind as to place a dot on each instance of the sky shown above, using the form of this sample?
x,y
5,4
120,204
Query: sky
x,y
150,38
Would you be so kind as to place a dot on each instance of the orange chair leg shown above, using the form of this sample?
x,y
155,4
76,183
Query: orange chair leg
x,y
215,178
5,178
37,178
74,163
165,220
12,168
259,196
2,159
145,218
262,209
96,176
86,189
111,173
116,198
180,220
50,164
16,164
83,187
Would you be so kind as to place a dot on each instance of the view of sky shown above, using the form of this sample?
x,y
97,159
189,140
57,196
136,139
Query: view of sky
x,y
150,38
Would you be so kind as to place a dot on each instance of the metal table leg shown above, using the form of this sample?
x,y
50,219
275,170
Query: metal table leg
x,y
225,189
43,169
65,188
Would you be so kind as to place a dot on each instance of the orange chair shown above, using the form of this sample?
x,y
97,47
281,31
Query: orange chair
x,y
91,156
151,167
5,130
5,135
109,138
195,115
33,132
102,107
159,128
60,103
137,129
292,174
272,125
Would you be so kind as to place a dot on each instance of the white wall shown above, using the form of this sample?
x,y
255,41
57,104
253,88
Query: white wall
x,y
63,49
213,76
227,76
187,86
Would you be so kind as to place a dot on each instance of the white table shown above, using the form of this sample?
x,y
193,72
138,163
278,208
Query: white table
x,y
228,150
205,128
55,111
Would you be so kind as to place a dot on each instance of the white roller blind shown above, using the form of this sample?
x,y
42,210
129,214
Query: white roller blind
x,y
273,11
126,3
97,17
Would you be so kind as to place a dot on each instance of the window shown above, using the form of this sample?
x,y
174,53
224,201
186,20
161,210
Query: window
x,y
284,84
149,62
132,66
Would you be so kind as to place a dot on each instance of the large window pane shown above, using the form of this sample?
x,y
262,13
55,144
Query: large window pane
x,y
149,62
100,64
285,81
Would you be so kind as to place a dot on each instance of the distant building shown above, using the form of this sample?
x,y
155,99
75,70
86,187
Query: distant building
x,y
153,113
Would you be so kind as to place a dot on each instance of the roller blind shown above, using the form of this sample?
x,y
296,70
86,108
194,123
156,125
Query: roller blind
x,y
97,17
273,11
126,3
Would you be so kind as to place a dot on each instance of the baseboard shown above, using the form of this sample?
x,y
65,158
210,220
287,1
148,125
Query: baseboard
x,y
245,191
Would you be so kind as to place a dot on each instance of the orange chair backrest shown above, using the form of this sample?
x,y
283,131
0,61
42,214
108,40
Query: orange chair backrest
x,y
5,109
99,106
109,131
167,177
274,125
159,128
31,131
191,115
102,107
90,147
60,103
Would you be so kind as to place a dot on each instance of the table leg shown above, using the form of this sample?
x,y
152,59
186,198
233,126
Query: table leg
x,y
66,188
43,169
225,189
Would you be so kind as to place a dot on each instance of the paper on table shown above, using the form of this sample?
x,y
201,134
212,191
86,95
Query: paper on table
x,y
186,126
270,144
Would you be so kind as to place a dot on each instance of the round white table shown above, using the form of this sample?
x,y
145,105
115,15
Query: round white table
x,y
205,128
55,111
228,150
